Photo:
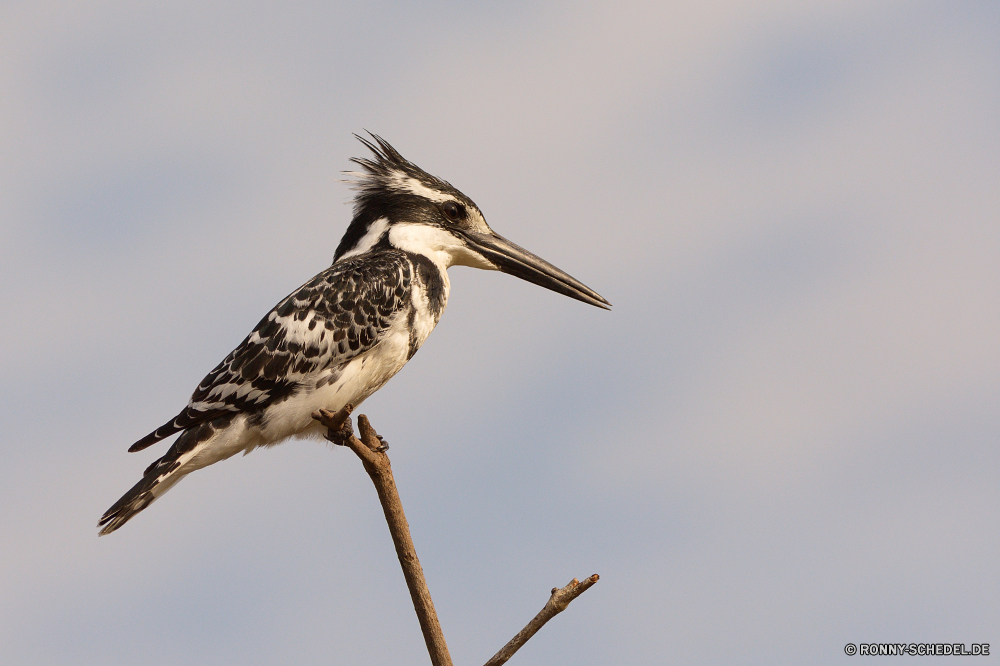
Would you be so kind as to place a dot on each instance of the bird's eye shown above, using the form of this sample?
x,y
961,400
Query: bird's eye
x,y
453,210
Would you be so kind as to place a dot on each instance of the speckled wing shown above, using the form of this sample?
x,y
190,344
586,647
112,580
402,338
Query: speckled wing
x,y
341,313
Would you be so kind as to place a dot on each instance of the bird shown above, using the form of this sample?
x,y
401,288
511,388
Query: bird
x,y
343,334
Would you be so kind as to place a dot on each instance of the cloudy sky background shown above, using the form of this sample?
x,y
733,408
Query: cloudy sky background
x,y
782,439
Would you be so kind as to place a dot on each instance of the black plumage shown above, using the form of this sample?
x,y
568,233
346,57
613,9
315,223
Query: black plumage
x,y
339,337
348,307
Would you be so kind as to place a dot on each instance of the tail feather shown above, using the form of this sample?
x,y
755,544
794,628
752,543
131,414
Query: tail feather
x,y
161,476
186,420
158,479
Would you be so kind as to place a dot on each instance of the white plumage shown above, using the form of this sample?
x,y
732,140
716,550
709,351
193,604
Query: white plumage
x,y
341,336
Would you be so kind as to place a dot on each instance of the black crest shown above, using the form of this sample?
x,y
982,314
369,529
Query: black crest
x,y
383,191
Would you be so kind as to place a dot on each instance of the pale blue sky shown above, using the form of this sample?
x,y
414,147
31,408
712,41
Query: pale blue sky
x,y
782,439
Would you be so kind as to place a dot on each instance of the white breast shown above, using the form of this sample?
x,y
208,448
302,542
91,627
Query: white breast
x,y
293,417
362,376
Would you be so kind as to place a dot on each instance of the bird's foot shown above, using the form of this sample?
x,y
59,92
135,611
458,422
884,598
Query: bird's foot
x,y
339,429
383,444
341,435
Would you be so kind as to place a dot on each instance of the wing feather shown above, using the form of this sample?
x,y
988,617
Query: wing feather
x,y
337,315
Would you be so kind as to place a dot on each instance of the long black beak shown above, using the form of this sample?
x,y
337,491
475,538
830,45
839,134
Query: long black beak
x,y
515,260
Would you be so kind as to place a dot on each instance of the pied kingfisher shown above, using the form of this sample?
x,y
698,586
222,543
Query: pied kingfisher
x,y
340,337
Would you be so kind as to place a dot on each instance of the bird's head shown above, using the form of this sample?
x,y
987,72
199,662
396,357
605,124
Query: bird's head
x,y
400,205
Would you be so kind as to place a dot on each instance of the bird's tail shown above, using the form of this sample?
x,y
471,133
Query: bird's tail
x,y
158,478
195,448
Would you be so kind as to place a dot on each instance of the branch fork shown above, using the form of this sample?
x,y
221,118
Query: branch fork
x,y
371,449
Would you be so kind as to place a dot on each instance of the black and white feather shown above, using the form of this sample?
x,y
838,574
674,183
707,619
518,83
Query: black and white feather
x,y
308,337
339,337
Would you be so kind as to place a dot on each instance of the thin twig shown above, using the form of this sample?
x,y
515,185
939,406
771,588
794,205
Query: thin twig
x,y
556,604
371,449
372,453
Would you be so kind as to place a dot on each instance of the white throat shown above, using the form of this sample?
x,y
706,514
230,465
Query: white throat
x,y
435,243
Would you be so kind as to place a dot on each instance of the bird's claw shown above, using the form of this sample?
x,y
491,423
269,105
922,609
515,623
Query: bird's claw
x,y
383,445
342,435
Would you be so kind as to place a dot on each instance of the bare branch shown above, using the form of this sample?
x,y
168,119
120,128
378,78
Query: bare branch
x,y
334,421
372,453
371,450
556,604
